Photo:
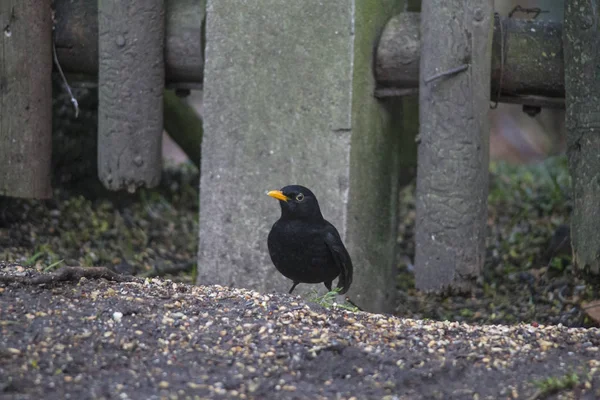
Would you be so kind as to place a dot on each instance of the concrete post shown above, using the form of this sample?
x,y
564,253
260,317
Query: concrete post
x,y
289,99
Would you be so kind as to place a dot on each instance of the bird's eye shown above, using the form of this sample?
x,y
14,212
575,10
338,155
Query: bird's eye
x,y
299,197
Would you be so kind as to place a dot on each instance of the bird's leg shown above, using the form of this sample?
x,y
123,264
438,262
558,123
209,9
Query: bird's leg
x,y
328,286
293,287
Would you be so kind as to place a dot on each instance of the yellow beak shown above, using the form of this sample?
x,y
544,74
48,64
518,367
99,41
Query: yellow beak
x,y
278,194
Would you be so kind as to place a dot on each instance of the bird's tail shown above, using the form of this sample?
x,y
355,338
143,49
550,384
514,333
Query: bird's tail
x,y
344,281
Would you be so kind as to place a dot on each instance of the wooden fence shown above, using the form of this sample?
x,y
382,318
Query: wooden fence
x,y
315,93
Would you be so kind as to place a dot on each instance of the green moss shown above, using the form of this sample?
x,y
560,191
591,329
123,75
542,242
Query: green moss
x,y
329,300
553,385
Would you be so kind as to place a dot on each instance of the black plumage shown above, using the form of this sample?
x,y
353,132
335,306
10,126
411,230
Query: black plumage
x,y
303,245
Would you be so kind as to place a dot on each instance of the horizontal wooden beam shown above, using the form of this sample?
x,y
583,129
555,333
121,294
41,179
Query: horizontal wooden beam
x,y
527,60
533,67
76,38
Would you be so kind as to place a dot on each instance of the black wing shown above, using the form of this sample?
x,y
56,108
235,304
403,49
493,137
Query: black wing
x,y
341,257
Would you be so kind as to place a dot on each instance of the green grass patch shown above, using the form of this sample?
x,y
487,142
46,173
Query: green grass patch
x,y
329,300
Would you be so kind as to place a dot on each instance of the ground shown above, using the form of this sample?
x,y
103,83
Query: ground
x,y
528,276
101,339
157,339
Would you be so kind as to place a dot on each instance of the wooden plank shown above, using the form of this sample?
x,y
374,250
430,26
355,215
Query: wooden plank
x,y
130,99
453,155
533,57
582,79
25,98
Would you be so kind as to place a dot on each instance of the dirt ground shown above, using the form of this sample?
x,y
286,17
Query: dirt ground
x,y
156,339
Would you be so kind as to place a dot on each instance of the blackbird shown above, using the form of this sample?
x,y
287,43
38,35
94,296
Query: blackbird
x,y
305,247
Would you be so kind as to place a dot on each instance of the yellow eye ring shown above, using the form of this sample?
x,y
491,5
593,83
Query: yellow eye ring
x,y
299,197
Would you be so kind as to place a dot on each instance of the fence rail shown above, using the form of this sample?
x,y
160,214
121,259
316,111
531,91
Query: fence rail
x,y
532,65
527,60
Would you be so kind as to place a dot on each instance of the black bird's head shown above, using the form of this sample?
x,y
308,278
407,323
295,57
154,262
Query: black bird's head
x,y
297,202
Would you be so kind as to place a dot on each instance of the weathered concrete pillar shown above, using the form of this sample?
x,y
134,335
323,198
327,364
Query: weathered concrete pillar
x,y
289,99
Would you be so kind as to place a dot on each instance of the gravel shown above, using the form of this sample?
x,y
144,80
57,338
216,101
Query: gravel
x,y
158,339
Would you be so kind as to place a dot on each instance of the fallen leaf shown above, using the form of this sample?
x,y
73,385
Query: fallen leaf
x,y
592,309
